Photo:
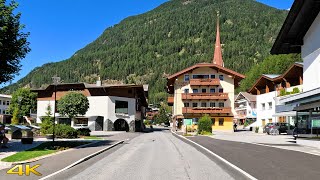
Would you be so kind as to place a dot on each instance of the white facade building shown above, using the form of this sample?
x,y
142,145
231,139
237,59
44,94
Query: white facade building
x,y
300,34
110,107
245,107
5,101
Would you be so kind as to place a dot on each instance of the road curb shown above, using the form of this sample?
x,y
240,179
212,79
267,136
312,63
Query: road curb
x,y
83,159
247,175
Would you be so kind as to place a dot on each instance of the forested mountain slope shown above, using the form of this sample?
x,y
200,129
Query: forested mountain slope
x,y
148,47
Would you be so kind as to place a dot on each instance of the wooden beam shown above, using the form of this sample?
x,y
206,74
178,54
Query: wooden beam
x,y
258,91
300,80
267,89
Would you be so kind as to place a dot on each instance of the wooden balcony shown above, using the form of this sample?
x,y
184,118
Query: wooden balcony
x,y
170,100
206,110
204,82
205,96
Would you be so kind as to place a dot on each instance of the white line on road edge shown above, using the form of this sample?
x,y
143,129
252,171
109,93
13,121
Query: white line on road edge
x,y
82,160
219,157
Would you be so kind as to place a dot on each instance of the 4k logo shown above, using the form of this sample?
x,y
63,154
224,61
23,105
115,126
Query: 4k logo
x,y
18,169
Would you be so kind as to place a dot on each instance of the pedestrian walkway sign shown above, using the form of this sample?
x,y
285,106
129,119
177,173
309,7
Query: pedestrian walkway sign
x,y
187,121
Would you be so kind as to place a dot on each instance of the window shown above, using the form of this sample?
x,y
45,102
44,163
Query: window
x,y
213,120
221,77
186,90
203,104
220,90
270,105
212,76
212,90
221,104
0,102
81,121
0,111
195,90
212,104
186,77
122,107
263,106
203,90
200,76
3,102
221,121
194,104
8,103
186,104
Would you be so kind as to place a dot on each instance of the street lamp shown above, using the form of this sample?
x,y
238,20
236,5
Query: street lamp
x,y
19,100
56,81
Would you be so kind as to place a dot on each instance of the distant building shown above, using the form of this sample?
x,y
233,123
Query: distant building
x,y
115,107
5,101
269,88
245,107
205,88
300,34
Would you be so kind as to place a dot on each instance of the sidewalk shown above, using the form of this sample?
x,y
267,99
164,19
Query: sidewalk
x,y
286,142
54,163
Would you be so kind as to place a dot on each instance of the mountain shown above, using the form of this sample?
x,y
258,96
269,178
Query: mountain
x,y
148,47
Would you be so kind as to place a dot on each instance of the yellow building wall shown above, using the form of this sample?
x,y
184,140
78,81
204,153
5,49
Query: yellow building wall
x,y
227,125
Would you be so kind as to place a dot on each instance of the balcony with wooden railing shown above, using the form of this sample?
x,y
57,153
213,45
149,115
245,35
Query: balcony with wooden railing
x,y
170,100
204,82
206,110
205,96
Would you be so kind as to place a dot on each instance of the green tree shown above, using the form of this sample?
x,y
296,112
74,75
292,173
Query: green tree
x,y
28,102
205,124
73,104
15,116
162,116
13,42
47,121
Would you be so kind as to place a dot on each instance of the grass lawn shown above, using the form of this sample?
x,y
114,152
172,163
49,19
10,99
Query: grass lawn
x,y
92,137
43,149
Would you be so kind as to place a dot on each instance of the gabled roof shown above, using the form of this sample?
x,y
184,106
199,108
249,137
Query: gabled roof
x,y
249,97
237,76
300,18
274,78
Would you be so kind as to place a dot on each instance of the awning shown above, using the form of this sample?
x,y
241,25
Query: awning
x,y
289,113
308,106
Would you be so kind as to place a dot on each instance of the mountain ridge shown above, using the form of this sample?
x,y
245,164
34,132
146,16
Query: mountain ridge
x,y
177,34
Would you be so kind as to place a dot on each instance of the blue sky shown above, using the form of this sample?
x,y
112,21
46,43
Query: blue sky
x,y
58,28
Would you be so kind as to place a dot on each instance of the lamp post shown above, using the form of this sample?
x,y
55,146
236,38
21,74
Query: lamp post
x,y
19,100
56,81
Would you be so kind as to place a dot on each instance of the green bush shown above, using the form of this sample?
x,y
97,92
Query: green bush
x,y
282,92
65,131
295,90
257,129
46,125
61,131
84,132
204,124
147,122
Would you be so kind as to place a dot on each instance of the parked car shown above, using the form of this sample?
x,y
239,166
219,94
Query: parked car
x,y
80,126
282,127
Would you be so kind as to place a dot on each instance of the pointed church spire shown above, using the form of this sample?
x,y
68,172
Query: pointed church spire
x,y
217,58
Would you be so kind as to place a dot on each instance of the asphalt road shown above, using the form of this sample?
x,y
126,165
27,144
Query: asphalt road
x,y
264,162
54,163
156,155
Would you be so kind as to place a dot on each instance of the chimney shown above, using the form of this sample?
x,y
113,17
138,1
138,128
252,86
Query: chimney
x,y
98,82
